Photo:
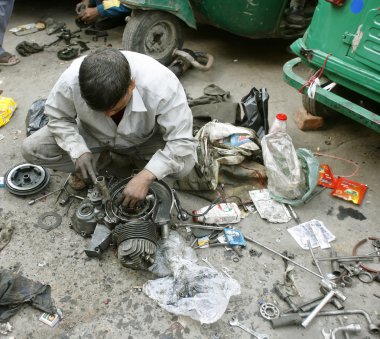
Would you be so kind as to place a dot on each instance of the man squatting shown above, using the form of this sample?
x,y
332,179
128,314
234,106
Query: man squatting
x,y
118,101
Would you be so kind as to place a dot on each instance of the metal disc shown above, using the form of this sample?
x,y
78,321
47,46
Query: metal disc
x,y
26,179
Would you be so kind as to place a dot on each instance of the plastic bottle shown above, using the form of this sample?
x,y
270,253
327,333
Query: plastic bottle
x,y
279,124
236,139
224,213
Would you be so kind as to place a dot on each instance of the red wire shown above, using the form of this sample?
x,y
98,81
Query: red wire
x,y
316,75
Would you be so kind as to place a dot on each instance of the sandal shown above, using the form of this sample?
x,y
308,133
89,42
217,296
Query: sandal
x,y
7,59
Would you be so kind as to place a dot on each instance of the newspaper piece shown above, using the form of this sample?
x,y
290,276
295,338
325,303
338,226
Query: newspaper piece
x,y
268,208
314,231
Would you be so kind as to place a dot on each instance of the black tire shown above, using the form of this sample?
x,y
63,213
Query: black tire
x,y
314,107
153,33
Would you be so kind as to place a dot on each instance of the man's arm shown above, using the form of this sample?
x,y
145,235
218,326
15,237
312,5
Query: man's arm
x,y
61,112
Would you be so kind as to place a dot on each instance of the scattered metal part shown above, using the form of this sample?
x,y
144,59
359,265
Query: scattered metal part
x,y
282,256
235,259
326,335
355,249
294,214
314,259
44,220
100,240
332,293
357,271
341,322
31,202
353,328
350,258
204,227
285,297
26,179
209,264
296,318
346,280
60,190
235,322
306,306
313,195
269,311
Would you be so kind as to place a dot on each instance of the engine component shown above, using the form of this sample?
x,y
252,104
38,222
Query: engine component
x,y
26,179
49,220
269,311
134,231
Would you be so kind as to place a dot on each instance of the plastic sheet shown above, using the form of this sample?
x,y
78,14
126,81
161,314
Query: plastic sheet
x,y
190,289
292,175
36,118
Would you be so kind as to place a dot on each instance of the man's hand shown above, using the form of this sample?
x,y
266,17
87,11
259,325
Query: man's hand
x,y
86,163
137,188
90,14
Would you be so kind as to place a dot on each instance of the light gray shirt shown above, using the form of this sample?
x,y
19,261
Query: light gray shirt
x,y
158,98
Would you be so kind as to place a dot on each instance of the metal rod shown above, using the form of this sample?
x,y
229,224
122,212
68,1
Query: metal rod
x,y
313,256
204,227
284,257
31,202
352,257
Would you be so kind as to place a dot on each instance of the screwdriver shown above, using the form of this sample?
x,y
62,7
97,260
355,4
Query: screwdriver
x,y
31,202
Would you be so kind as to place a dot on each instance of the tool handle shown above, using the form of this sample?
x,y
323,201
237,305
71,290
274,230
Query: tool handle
x,y
322,304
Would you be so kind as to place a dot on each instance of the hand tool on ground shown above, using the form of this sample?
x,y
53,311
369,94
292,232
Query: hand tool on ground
x,y
294,215
341,322
350,258
296,318
332,293
326,334
285,297
352,328
284,257
306,306
357,271
209,264
313,256
235,322
31,202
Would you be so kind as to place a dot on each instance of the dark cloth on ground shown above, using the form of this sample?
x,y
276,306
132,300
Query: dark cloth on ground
x,y
15,290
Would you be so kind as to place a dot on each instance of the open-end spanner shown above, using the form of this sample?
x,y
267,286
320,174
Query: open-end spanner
x,y
326,335
235,322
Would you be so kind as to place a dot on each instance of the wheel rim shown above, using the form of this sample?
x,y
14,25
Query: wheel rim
x,y
26,179
160,39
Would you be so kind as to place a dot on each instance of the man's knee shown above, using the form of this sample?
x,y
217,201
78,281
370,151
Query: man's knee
x,y
28,150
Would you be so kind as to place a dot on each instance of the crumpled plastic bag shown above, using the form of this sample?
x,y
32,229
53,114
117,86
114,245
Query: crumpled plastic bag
x,y
36,117
292,175
191,290
7,108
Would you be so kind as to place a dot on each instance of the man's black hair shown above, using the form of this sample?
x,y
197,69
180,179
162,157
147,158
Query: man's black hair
x,y
104,78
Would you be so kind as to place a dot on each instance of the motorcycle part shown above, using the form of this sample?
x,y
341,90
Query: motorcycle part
x,y
26,179
235,322
285,297
269,311
100,241
137,243
49,220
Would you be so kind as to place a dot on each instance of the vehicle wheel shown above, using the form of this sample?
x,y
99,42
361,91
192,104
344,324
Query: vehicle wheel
x,y
314,107
153,33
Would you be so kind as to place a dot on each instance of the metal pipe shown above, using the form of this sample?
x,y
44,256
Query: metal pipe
x,y
352,257
283,256
316,310
296,318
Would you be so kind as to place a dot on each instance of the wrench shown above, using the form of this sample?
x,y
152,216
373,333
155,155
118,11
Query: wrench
x,y
327,335
235,322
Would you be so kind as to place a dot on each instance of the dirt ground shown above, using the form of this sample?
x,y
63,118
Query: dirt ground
x,y
98,297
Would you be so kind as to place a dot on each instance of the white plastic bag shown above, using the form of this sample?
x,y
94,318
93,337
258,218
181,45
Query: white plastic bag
x,y
191,290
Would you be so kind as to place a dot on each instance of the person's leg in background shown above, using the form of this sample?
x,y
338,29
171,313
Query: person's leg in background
x,y
6,8
295,14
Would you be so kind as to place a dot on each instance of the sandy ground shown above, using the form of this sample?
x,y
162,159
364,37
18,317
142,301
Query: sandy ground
x,y
98,297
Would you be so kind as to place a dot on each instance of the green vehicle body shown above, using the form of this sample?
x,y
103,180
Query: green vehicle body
x,y
248,18
346,42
